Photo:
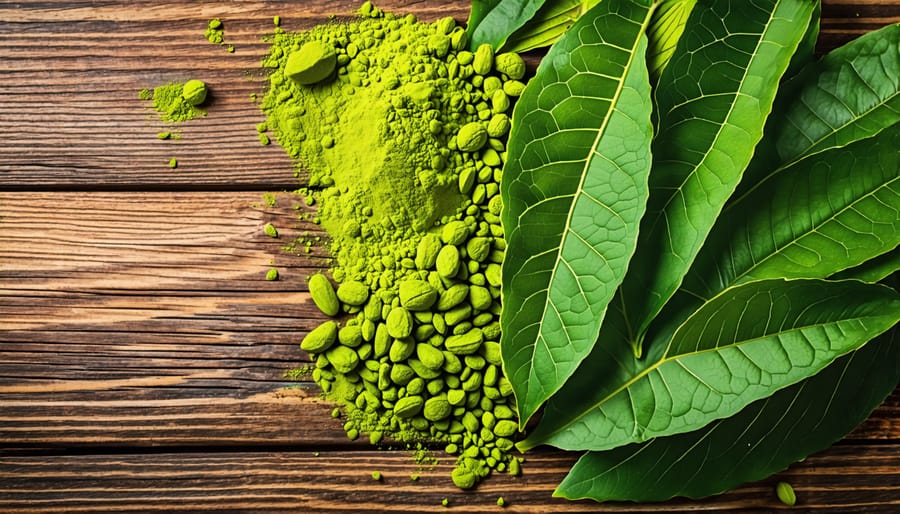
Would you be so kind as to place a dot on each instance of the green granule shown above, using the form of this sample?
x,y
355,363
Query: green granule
x,y
170,104
501,502
173,163
376,475
215,33
269,199
272,274
194,92
401,133
786,494
270,230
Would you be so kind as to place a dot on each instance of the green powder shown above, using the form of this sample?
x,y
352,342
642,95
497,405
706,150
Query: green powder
x,y
374,111
215,34
170,104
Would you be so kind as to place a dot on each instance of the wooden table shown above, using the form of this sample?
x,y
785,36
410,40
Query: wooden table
x,y
142,353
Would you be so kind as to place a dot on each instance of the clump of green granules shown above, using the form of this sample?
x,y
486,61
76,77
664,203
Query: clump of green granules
x,y
402,132
172,105
215,34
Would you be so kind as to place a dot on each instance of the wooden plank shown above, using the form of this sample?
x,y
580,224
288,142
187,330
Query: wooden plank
x,y
70,117
143,320
857,479
187,241
88,63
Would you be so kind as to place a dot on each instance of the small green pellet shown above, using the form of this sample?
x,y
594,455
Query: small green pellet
x,y
194,92
272,274
786,494
323,294
376,475
270,230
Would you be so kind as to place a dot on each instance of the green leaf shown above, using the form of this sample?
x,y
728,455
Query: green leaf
x,y
830,211
492,21
875,269
806,50
762,439
664,32
549,24
741,346
865,188
574,190
712,100
582,394
851,94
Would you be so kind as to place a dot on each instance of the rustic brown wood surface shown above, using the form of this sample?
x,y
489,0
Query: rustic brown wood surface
x,y
143,355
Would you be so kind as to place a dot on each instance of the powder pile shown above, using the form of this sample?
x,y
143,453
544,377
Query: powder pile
x,y
402,133
173,105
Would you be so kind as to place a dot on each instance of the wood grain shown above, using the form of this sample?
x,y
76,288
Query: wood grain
x,y
70,117
855,479
143,355
154,323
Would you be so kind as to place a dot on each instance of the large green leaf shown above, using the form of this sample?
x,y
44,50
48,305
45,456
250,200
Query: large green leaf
x,y
574,190
764,438
851,94
741,346
712,101
833,210
549,24
855,88
576,401
864,188
492,21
